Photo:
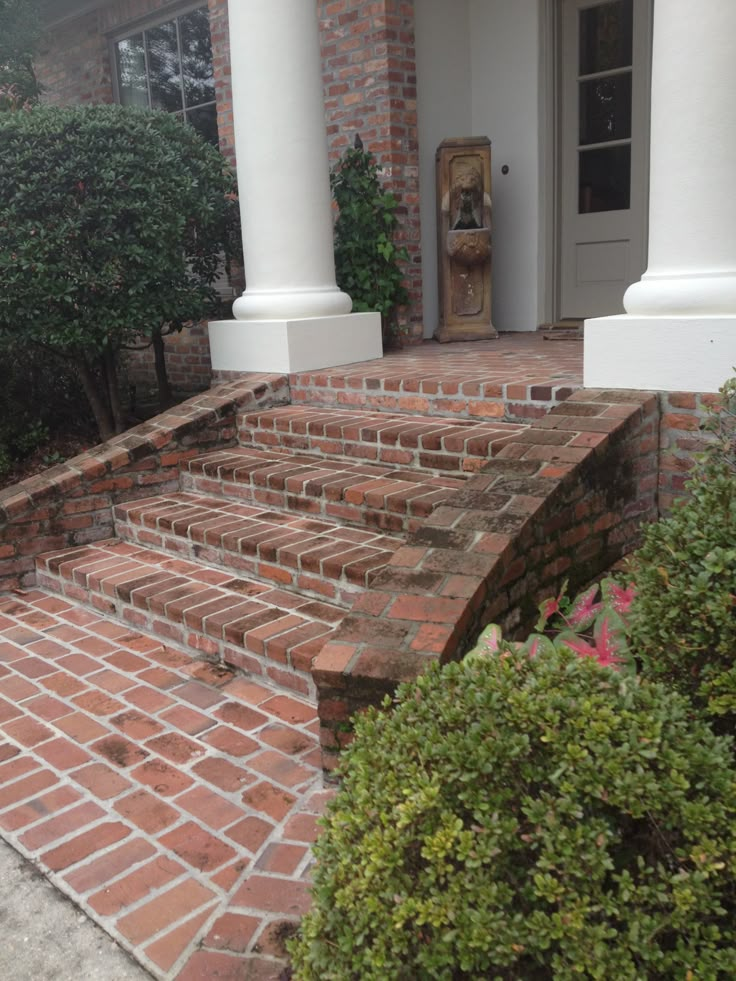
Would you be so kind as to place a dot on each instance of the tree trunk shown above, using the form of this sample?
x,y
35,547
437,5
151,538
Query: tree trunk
x,y
113,392
165,395
99,406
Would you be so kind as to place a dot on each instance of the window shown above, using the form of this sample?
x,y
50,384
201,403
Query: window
x,y
169,66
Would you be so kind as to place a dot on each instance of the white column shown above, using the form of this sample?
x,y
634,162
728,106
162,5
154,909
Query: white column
x,y
680,329
292,316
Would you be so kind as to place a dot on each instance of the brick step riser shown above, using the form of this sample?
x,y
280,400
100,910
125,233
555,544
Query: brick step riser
x,y
257,657
392,516
310,578
460,460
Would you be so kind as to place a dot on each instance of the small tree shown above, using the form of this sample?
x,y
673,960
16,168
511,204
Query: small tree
x,y
113,222
20,31
367,259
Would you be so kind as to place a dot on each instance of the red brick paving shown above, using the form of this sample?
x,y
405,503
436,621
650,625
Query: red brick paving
x,y
180,822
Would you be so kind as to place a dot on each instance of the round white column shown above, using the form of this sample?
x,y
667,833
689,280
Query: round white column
x,y
283,170
692,208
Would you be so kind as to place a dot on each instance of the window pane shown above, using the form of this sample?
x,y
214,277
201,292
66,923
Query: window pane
x,y
604,179
204,120
605,109
163,67
131,64
605,37
196,57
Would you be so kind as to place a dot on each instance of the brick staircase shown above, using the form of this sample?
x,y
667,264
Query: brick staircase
x,y
264,548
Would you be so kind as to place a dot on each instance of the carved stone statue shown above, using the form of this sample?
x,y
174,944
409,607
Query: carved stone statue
x,y
464,232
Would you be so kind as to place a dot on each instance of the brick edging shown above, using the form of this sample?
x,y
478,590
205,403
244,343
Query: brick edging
x,y
563,499
71,504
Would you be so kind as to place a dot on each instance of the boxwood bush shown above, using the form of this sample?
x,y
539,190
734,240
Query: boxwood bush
x,y
531,818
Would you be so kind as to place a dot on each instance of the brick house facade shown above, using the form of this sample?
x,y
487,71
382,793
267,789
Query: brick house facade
x,y
369,75
596,210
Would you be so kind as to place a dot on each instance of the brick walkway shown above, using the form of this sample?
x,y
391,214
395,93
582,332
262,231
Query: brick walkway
x,y
173,802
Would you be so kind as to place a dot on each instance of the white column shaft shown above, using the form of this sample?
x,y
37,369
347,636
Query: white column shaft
x,y
281,147
692,209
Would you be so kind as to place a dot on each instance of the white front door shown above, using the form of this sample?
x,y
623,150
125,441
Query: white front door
x,y
604,143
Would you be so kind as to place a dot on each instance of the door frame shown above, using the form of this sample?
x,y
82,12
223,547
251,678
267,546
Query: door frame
x,y
550,25
550,157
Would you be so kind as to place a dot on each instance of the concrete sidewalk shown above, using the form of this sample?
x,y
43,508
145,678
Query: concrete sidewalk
x,y
45,937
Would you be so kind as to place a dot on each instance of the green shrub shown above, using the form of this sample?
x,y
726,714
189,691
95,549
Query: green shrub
x,y
113,221
39,399
531,818
683,617
367,259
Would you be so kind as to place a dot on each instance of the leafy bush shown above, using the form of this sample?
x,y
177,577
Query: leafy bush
x,y
113,221
683,618
532,818
367,259
39,398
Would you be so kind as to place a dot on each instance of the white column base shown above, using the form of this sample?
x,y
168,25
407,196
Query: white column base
x,y
669,354
289,346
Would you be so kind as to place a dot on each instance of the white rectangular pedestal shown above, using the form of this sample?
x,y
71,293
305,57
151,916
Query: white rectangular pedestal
x,y
667,354
290,346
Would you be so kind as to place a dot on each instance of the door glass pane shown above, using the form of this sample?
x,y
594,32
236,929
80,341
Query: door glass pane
x,y
204,120
605,109
131,64
606,37
163,67
196,57
604,179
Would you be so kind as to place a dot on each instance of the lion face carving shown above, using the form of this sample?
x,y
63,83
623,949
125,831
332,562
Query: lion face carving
x,y
467,200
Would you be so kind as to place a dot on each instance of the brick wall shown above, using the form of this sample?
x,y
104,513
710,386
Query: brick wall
x,y
564,499
679,438
187,363
71,504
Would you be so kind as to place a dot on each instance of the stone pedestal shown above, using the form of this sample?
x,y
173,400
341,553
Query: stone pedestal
x,y
464,239
680,330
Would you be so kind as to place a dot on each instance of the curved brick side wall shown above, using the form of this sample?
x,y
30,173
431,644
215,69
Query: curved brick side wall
x,y
564,499
71,504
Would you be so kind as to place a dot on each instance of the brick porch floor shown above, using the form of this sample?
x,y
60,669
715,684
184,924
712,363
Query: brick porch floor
x,y
176,802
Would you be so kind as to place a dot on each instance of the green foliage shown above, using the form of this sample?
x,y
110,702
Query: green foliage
x,y
113,222
531,818
367,259
20,31
683,619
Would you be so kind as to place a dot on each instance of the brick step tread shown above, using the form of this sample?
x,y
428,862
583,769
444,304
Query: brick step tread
x,y
262,629
438,444
295,551
385,497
